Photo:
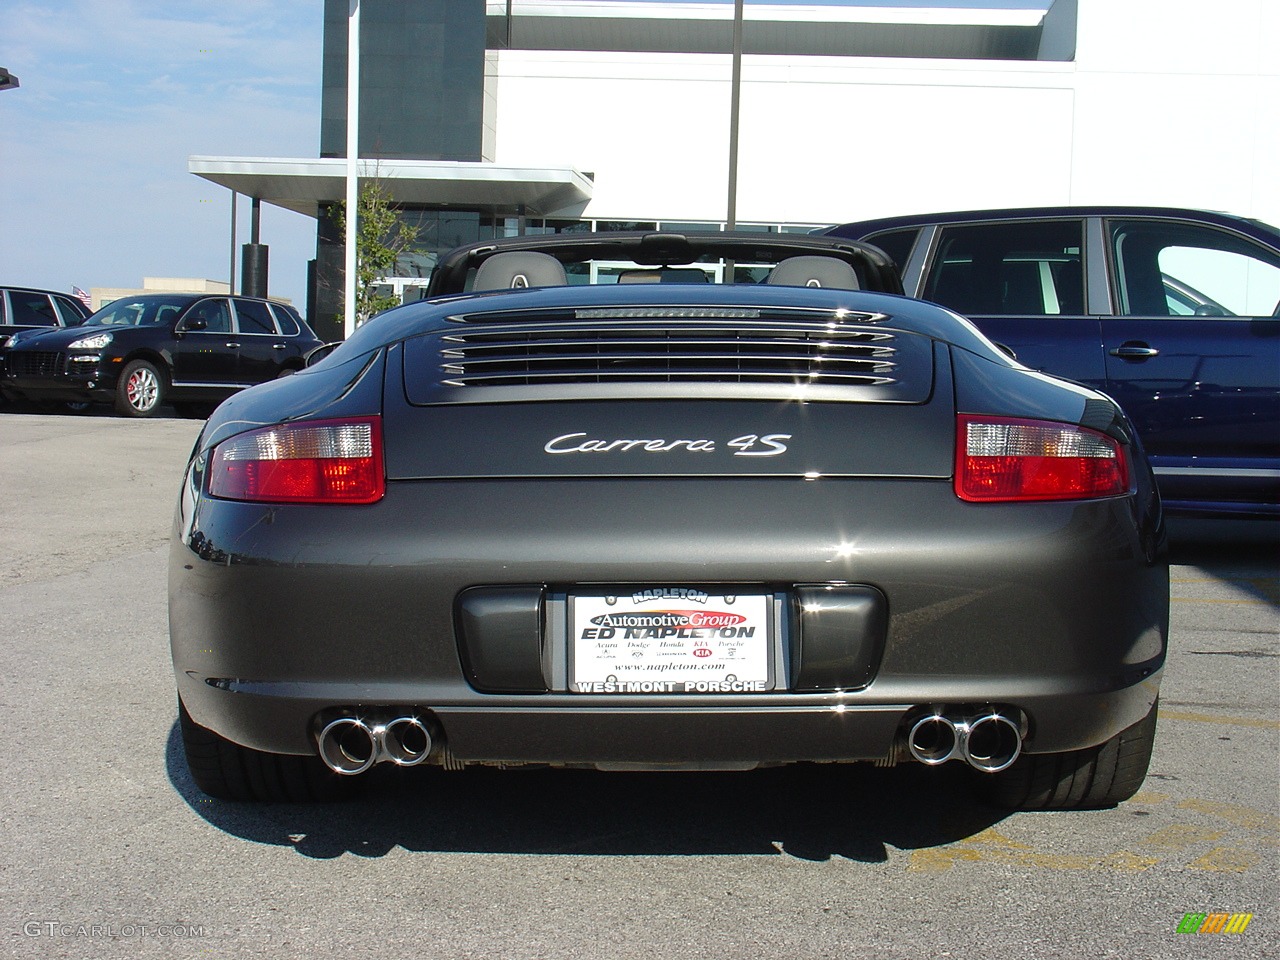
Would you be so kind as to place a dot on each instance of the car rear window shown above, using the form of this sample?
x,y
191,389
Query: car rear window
x,y
287,321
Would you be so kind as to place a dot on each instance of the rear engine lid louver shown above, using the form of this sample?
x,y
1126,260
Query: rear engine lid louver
x,y
671,351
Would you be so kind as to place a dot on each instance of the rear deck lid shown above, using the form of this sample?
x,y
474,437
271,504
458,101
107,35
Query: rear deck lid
x,y
669,391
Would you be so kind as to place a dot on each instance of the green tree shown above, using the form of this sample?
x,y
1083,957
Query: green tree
x,y
381,236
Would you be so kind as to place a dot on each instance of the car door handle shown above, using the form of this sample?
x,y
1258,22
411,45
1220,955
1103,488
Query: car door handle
x,y
1135,350
277,346
232,345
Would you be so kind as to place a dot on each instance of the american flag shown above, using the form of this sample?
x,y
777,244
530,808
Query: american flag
x,y
83,298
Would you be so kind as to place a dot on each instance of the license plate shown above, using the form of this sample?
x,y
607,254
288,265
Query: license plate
x,y
670,640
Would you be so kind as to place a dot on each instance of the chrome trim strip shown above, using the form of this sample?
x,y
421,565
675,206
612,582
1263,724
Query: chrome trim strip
x,y
1216,472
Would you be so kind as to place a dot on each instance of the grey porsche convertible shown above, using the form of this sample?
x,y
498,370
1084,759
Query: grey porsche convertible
x,y
665,502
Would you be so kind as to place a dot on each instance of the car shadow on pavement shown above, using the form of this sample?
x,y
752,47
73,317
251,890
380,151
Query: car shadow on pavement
x,y
55,408
1243,553
811,812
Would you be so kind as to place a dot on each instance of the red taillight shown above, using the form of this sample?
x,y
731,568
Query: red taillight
x,y
319,461
1002,458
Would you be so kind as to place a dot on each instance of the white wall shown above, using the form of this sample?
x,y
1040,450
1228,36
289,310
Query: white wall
x,y
653,129
1178,102
1170,102
843,140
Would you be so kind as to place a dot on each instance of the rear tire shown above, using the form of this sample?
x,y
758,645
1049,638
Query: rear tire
x,y
228,771
140,389
1100,776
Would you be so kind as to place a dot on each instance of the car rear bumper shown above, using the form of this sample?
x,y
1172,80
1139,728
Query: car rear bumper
x,y
626,732
284,616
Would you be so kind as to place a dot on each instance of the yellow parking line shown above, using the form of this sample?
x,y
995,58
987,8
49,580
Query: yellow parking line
x,y
1168,845
1241,816
940,859
1180,836
1217,718
1267,587
1226,860
1247,603
1266,581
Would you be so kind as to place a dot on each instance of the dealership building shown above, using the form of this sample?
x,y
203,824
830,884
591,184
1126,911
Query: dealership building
x,y
492,119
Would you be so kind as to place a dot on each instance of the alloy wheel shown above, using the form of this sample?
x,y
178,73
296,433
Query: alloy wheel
x,y
143,389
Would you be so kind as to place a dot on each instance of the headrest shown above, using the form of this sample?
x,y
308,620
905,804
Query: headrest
x,y
508,271
814,272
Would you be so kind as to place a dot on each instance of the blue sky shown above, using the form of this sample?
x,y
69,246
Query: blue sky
x,y
115,96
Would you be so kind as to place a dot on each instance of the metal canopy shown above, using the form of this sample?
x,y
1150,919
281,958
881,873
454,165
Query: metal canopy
x,y
856,30
303,185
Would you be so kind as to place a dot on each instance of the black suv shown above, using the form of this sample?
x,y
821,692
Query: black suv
x,y
26,308
142,352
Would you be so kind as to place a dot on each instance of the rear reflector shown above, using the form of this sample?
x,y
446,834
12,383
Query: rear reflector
x,y
1004,459
319,461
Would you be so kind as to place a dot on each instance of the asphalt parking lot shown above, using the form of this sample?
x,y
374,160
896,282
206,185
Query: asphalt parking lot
x,y
111,852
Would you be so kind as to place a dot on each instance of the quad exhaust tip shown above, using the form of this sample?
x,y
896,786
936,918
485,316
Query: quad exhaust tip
x,y
350,745
989,741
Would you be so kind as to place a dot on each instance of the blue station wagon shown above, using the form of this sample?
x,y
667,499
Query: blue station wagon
x,y
1171,312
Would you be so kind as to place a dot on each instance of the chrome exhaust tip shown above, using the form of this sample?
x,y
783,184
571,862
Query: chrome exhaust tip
x,y
993,742
405,741
933,739
348,746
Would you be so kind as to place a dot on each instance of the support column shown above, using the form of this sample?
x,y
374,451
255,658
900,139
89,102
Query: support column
x,y
254,283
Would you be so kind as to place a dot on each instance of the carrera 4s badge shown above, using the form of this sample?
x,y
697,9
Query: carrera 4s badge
x,y
748,445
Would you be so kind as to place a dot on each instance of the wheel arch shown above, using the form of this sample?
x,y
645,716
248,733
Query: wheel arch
x,y
157,358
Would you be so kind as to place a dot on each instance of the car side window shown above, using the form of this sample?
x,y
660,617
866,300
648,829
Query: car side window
x,y
216,315
70,315
287,322
1009,269
31,310
1168,269
897,244
252,316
